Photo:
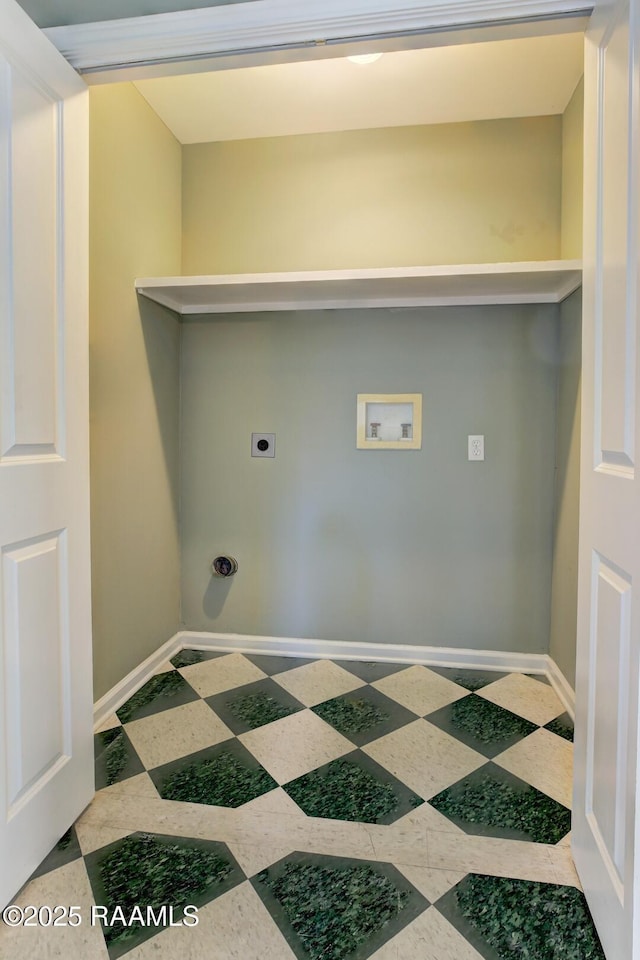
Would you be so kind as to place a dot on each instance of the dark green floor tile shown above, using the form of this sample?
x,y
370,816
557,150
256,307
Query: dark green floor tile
x,y
329,908
65,851
469,679
354,788
116,758
272,665
482,725
506,919
226,775
364,715
562,725
254,704
162,692
493,802
186,658
155,870
369,670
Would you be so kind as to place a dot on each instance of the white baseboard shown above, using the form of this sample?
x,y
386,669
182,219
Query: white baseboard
x,y
376,652
498,660
562,687
119,694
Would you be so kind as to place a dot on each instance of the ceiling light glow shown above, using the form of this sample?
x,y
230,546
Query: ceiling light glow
x,y
363,58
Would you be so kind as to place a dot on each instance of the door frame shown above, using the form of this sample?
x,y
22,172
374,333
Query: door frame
x,y
250,33
259,32
255,33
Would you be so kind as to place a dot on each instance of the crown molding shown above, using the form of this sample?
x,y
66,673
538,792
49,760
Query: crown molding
x,y
267,25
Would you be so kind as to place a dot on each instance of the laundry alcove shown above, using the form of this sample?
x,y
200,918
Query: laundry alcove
x,y
439,259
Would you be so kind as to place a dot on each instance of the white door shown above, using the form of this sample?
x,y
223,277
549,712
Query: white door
x,y
606,791
46,769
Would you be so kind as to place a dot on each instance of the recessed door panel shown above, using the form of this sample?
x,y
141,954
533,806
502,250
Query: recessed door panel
x,y
615,286
36,681
608,772
32,338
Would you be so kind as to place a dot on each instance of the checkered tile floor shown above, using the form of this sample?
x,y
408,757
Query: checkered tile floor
x,y
321,809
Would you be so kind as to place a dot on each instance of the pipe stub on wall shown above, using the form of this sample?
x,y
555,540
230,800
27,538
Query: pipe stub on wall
x,y
224,566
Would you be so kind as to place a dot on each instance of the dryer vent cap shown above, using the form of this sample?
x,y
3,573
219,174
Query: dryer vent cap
x,y
224,566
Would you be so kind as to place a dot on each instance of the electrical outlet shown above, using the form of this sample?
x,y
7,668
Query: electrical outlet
x,y
476,447
263,444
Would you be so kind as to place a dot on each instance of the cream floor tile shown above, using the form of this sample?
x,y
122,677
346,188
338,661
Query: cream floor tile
x,y
432,884
420,689
316,682
236,926
519,859
108,724
336,838
155,815
430,818
252,823
163,668
429,937
535,701
220,674
543,760
139,786
240,825
253,858
290,747
564,867
66,886
174,733
305,834
92,837
424,757
275,802
400,844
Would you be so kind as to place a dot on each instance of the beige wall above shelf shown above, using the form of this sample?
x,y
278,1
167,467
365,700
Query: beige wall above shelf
x,y
548,281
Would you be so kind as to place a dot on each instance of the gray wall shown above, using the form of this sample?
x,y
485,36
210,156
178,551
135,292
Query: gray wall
x,y
339,543
564,594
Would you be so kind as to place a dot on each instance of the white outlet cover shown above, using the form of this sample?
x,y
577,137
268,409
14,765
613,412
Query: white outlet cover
x,y
263,444
476,446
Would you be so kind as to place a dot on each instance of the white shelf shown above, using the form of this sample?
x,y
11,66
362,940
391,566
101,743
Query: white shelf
x,y
539,281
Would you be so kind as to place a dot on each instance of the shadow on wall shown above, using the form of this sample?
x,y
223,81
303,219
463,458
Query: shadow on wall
x,y
161,332
570,390
216,595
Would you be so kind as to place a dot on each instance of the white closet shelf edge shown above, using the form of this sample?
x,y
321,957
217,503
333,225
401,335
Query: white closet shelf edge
x,y
538,281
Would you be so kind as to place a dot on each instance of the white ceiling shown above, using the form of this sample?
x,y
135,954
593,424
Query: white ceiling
x,y
535,76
